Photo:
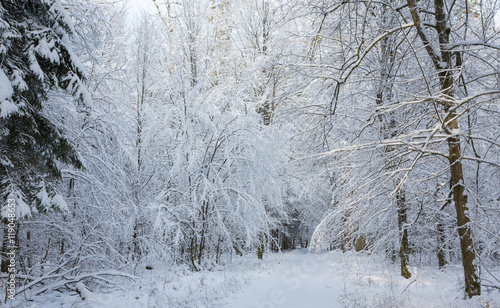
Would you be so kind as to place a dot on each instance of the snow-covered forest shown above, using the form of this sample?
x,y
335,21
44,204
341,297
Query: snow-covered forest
x,y
175,155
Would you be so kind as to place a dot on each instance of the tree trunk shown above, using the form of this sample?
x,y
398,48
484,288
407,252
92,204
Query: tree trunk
x,y
404,247
441,237
192,251
346,236
218,251
441,244
472,283
387,131
136,251
5,249
442,61
260,247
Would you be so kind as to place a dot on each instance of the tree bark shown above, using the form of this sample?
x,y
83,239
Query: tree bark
x,y
346,236
472,282
441,244
404,247
5,260
260,247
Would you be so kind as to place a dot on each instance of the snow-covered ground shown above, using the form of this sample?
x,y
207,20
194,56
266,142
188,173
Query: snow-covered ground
x,y
291,279
354,280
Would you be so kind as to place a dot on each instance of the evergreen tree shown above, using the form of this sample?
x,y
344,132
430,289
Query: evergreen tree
x,y
35,58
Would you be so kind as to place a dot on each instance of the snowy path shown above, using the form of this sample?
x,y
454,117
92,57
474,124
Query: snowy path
x,y
357,280
288,280
301,280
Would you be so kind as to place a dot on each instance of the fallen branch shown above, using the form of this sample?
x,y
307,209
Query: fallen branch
x,y
66,280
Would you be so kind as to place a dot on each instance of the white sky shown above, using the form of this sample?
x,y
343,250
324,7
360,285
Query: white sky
x,y
136,7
